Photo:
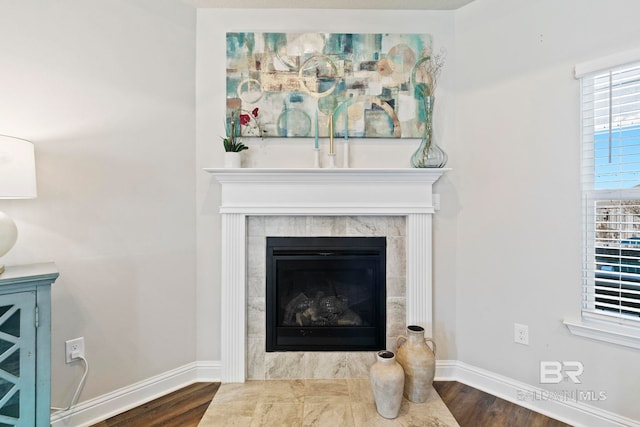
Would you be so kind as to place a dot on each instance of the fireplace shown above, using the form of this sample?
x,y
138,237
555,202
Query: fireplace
x,y
287,193
325,293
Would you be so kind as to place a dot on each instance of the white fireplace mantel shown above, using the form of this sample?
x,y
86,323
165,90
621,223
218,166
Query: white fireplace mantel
x,y
331,192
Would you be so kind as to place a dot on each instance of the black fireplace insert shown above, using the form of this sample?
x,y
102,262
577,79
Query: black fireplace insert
x,y
326,293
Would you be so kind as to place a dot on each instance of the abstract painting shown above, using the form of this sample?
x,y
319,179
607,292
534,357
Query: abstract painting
x,y
290,84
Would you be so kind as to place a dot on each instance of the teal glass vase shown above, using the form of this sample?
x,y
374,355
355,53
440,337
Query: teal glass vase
x,y
428,154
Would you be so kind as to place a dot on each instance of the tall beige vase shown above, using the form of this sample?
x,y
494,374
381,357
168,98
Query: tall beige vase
x,y
387,382
418,362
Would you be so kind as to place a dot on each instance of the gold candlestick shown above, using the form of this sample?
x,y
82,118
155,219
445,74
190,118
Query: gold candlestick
x,y
331,135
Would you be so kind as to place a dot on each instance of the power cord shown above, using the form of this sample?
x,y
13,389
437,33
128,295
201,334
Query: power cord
x,y
76,395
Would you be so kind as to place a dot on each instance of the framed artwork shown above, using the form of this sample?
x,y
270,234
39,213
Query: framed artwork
x,y
290,84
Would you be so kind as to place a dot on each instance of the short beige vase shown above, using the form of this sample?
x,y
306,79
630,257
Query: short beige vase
x,y
418,362
387,382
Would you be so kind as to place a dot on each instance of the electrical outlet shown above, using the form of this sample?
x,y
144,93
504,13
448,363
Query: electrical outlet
x,y
74,349
521,333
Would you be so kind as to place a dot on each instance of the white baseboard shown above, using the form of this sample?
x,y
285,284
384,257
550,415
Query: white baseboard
x,y
571,412
537,399
208,371
100,408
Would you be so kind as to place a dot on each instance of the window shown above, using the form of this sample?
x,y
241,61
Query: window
x,y
611,193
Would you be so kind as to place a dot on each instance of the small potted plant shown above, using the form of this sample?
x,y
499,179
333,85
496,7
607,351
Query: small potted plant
x,y
232,144
239,122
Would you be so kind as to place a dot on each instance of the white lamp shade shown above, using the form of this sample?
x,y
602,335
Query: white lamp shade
x,y
17,169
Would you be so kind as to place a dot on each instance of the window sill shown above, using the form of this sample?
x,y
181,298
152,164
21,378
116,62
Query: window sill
x,y
604,331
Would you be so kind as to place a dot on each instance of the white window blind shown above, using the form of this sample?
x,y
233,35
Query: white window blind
x,y
611,194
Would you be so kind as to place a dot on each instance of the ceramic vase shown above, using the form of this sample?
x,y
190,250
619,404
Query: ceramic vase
x,y
387,382
419,363
232,159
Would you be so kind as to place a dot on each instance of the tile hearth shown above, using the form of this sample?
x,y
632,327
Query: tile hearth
x,y
318,403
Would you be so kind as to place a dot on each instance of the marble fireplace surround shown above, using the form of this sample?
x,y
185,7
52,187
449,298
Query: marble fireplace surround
x,y
246,193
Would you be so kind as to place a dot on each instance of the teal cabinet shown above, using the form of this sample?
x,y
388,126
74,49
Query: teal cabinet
x,y
25,344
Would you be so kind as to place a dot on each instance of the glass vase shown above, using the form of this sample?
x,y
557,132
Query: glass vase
x,y
428,154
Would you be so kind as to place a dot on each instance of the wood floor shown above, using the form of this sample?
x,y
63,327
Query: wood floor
x,y
182,408
474,408
469,406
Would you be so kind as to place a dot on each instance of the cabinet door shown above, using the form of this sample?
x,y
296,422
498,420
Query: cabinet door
x,y
17,359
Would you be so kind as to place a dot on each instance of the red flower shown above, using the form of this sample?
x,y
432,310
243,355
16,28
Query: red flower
x,y
255,112
244,119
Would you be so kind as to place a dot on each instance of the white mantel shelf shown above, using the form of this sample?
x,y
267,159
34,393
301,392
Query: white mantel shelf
x,y
329,171
332,192
327,191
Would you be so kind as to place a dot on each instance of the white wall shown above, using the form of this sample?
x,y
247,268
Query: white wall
x,y
517,179
105,90
212,26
